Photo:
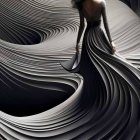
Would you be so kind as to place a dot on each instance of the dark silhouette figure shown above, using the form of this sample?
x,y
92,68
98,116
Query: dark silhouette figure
x,y
94,43
94,37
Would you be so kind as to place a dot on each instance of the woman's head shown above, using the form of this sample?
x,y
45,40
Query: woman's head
x,y
76,3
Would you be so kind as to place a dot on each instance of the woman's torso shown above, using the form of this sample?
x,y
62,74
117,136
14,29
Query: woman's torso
x,y
92,9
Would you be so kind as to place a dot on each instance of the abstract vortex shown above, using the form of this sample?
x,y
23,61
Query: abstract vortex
x,y
39,100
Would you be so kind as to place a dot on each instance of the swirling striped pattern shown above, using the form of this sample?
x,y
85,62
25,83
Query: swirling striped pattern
x,y
35,36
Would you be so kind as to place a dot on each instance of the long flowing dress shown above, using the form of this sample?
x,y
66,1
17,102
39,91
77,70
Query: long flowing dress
x,y
111,84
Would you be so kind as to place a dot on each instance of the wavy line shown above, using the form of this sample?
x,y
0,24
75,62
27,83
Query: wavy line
x,y
41,100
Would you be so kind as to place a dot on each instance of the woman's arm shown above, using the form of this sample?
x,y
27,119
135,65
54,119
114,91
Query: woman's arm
x,y
107,26
81,28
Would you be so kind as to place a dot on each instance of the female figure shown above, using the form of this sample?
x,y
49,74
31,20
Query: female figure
x,y
92,11
111,90
94,43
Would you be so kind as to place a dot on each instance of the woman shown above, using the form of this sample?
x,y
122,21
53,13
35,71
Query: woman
x,y
91,10
94,43
111,90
